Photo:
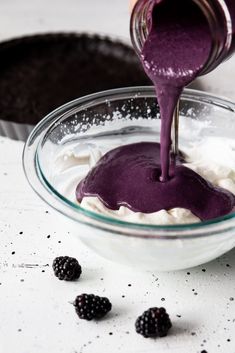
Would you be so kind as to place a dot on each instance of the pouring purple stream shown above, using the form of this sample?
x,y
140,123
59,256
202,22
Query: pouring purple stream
x,y
141,176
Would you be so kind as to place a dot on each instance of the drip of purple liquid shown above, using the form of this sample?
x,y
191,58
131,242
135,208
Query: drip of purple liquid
x,y
141,176
176,50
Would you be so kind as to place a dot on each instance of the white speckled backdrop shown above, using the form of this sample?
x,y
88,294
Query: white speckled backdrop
x,y
36,315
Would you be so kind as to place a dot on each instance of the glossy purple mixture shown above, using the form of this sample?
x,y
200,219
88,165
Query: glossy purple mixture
x,y
176,50
129,176
141,176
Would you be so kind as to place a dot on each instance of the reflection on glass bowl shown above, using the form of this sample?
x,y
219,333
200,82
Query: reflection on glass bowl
x,y
117,117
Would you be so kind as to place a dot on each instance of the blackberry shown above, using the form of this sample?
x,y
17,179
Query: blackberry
x,y
66,268
90,306
154,322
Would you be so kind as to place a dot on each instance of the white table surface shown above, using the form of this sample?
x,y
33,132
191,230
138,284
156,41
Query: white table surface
x,y
36,315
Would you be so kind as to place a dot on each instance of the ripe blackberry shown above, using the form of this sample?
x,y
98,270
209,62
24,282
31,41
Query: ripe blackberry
x,y
66,268
90,306
154,322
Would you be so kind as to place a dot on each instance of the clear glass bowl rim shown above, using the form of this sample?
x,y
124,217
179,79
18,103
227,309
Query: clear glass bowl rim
x,y
46,191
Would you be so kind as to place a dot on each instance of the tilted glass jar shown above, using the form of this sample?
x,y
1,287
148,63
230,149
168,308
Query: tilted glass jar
x,y
220,15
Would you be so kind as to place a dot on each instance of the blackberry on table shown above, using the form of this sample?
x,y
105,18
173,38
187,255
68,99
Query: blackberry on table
x,y
66,268
90,306
154,322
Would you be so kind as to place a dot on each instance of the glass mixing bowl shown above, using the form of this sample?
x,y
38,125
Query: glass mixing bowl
x,y
123,116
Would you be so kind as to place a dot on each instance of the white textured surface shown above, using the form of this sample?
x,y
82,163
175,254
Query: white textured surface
x,y
36,316
35,313
30,16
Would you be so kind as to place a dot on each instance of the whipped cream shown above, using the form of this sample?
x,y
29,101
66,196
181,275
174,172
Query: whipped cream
x,y
163,217
211,157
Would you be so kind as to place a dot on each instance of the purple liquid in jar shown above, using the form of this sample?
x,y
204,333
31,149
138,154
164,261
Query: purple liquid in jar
x,y
231,8
140,176
176,50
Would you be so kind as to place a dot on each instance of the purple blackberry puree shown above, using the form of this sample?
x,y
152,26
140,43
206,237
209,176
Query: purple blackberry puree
x,y
176,50
231,7
140,176
130,176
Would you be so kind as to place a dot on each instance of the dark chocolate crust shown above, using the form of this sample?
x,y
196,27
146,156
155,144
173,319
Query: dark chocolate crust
x,y
39,73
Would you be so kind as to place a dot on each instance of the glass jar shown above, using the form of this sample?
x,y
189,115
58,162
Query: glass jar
x,y
220,15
